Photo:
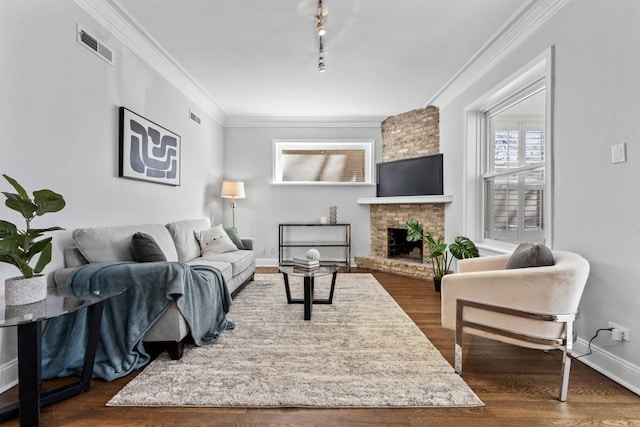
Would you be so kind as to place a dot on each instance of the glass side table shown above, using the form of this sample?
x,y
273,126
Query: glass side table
x,y
309,277
28,318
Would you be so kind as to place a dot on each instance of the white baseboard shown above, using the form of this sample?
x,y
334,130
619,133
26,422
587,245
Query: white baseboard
x,y
609,365
8,375
266,262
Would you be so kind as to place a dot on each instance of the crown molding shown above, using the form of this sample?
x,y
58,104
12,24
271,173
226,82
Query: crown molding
x,y
528,19
304,122
113,16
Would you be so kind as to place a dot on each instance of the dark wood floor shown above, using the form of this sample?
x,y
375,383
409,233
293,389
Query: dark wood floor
x,y
518,386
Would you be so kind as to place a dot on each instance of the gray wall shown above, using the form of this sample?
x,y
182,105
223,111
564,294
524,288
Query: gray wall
x,y
248,157
597,104
59,123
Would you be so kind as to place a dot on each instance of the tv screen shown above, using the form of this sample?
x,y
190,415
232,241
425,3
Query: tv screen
x,y
421,176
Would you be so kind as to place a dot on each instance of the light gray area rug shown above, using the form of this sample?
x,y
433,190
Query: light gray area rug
x,y
361,351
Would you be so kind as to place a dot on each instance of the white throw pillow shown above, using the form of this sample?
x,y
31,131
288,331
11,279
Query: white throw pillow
x,y
214,241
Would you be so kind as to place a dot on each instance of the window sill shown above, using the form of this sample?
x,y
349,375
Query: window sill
x,y
494,247
324,184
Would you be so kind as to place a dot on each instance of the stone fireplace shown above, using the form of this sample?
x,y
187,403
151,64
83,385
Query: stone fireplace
x,y
405,136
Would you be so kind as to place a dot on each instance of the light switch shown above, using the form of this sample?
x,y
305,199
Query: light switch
x,y
619,153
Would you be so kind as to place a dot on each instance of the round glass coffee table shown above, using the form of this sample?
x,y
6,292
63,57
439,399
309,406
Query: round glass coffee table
x,y
28,318
309,278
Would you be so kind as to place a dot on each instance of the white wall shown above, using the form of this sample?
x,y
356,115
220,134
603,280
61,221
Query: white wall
x,y
59,130
596,204
248,157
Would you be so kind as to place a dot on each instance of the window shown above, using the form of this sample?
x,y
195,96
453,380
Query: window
x,y
508,175
514,180
323,162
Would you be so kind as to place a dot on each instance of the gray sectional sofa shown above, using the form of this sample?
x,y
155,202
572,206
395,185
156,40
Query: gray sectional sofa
x,y
178,242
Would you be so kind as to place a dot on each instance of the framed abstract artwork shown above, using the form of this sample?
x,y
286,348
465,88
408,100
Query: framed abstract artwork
x,y
148,151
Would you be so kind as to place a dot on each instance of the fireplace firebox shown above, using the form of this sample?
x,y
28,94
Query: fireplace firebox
x,y
400,248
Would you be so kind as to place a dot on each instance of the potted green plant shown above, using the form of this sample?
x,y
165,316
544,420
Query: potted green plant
x,y
21,247
461,248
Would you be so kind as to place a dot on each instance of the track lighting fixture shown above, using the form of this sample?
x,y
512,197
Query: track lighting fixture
x,y
321,19
321,58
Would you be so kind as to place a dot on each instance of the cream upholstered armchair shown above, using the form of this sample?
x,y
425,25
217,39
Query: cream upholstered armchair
x,y
530,307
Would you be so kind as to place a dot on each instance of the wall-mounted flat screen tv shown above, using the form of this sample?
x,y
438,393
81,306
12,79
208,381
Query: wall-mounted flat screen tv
x,y
420,176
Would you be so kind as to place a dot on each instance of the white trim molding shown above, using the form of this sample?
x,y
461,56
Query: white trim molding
x,y
402,200
528,19
8,375
304,122
539,68
609,365
112,15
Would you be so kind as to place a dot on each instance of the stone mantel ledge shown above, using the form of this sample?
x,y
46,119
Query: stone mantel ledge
x,y
399,200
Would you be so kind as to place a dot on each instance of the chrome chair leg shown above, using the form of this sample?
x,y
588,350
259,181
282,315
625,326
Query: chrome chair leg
x,y
566,359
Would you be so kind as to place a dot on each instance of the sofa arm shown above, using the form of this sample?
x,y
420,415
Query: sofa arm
x,y
60,276
248,242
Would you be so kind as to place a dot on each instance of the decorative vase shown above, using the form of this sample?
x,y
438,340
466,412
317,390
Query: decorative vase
x,y
333,214
20,291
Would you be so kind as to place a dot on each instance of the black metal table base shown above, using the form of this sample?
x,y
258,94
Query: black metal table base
x,y
30,371
308,299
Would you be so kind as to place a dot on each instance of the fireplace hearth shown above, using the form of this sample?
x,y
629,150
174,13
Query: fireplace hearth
x,y
400,248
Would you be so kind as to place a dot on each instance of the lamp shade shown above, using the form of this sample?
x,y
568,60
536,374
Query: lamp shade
x,y
232,189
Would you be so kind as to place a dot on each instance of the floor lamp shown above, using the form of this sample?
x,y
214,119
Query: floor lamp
x,y
232,190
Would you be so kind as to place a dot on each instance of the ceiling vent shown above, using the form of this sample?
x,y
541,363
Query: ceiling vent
x,y
91,43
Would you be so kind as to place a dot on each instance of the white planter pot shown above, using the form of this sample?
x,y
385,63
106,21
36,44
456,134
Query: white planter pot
x,y
20,291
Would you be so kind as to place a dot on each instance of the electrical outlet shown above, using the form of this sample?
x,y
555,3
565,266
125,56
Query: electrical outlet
x,y
626,333
272,251
261,251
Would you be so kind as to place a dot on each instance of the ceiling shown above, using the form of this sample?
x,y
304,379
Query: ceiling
x,y
259,57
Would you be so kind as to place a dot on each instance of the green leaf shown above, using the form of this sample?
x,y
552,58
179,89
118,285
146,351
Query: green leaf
x,y
25,207
37,247
45,230
11,195
48,201
7,229
8,247
463,248
45,257
13,259
21,191
414,230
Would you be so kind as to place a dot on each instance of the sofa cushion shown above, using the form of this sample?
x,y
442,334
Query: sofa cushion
x,y
225,268
235,238
184,238
239,260
111,244
530,255
145,248
214,241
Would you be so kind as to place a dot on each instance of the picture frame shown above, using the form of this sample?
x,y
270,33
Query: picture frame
x,y
148,151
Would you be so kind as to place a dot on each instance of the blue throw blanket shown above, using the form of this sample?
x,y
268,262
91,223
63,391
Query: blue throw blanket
x,y
200,292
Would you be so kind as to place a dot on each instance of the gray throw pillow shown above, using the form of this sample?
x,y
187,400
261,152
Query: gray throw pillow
x,y
235,238
530,255
145,248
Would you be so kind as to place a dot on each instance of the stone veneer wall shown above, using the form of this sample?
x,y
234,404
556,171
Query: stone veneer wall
x,y
412,134
408,135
